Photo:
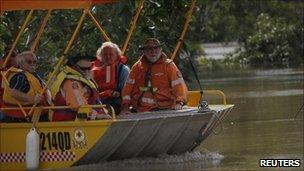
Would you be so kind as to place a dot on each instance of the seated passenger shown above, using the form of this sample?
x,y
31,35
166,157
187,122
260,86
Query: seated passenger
x,y
154,83
110,73
25,87
74,87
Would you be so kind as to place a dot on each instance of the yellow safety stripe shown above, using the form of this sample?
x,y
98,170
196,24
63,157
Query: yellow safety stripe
x,y
145,89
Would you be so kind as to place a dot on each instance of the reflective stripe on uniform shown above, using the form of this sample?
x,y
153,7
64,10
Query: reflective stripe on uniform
x,y
147,100
130,81
176,82
127,97
108,72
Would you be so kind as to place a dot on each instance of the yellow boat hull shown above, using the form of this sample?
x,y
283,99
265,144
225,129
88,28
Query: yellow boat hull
x,y
66,144
62,143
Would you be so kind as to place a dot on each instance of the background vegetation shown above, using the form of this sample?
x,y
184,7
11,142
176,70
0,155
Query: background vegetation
x,y
270,32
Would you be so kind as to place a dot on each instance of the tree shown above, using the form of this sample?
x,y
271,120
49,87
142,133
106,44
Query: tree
x,y
162,19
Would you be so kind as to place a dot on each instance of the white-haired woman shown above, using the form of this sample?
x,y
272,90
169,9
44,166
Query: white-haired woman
x,y
25,86
110,72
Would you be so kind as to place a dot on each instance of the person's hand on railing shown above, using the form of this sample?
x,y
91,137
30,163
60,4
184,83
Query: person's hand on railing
x,y
38,99
95,115
178,106
125,110
74,106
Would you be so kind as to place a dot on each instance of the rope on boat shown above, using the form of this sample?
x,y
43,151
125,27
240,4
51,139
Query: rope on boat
x,y
301,108
219,121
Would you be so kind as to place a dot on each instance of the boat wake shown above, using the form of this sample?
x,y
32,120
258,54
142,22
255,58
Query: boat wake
x,y
163,162
170,159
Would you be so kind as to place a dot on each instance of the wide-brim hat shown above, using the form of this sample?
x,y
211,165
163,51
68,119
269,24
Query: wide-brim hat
x,y
80,56
150,40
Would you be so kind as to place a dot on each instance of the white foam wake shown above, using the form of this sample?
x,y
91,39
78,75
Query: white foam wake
x,y
193,156
189,160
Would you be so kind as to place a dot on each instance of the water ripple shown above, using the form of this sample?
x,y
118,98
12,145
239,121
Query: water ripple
x,y
268,93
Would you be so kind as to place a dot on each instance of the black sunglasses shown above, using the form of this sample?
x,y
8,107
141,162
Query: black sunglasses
x,y
151,48
30,62
85,68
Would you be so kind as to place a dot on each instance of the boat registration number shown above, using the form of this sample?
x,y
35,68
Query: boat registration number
x,y
55,141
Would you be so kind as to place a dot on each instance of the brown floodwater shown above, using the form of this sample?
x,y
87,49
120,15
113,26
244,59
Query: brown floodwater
x,y
261,126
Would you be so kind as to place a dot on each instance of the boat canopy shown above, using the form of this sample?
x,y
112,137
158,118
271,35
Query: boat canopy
x,y
85,5
14,5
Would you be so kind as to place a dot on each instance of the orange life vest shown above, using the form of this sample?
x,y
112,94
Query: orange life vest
x,y
106,77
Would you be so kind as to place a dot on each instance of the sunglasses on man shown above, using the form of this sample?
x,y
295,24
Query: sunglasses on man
x,y
85,68
151,48
31,62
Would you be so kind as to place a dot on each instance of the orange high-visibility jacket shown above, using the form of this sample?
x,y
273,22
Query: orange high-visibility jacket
x,y
161,89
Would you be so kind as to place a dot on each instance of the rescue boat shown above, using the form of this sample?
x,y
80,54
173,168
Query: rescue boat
x,y
66,144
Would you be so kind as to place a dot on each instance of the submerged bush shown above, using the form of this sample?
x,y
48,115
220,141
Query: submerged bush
x,y
274,43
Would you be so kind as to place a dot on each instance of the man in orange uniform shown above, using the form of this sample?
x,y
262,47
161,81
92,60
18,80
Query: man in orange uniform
x,y
154,83
74,87
110,73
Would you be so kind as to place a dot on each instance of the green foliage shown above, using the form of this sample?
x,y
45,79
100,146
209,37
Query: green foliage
x,y
273,39
271,45
162,19
270,32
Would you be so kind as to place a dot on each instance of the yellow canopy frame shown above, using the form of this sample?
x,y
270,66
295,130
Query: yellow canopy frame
x,y
61,59
7,5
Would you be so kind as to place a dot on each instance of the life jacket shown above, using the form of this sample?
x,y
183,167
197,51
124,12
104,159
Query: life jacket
x,y
107,76
59,100
35,88
69,73
155,92
9,64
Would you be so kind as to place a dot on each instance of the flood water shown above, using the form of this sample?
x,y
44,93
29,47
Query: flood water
x,y
261,126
